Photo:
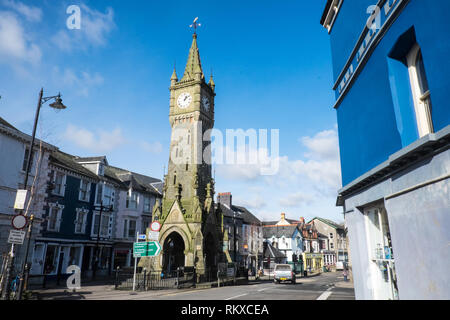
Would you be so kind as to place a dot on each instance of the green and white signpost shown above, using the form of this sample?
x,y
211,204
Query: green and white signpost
x,y
144,249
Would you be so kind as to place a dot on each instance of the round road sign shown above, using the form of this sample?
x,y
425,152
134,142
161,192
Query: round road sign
x,y
155,226
19,222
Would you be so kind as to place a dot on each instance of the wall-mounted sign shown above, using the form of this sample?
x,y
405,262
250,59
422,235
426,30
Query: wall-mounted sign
x,y
21,197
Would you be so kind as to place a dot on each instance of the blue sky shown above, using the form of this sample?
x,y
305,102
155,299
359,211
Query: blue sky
x,y
272,68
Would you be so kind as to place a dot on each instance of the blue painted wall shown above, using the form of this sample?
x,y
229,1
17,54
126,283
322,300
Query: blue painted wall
x,y
71,203
375,119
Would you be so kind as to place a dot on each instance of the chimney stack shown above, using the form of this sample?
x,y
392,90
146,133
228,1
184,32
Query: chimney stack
x,y
225,198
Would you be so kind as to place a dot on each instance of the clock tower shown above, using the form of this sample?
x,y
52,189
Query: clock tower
x,y
191,228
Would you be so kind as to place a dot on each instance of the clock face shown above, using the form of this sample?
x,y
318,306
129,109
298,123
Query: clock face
x,y
184,100
206,104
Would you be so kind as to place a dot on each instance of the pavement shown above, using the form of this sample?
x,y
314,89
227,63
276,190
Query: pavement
x,y
326,286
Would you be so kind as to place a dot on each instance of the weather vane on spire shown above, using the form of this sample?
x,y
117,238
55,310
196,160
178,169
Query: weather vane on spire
x,y
195,25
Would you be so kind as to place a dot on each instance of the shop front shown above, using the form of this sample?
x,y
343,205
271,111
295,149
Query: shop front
x,y
313,262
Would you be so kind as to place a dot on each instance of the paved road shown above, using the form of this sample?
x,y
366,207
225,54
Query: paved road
x,y
328,286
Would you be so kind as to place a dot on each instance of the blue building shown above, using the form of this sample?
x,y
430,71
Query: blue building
x,y
391,72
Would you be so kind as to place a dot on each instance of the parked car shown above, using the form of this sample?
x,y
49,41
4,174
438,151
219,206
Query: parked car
x,y
340,265
283,272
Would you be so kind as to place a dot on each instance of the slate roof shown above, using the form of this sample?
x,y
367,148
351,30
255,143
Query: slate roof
x,y
134,180
279,231
329,222
272,223
68,162
272,252
248,217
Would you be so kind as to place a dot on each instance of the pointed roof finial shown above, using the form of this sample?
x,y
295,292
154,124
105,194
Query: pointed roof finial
x,y
174,74
211,81
193,68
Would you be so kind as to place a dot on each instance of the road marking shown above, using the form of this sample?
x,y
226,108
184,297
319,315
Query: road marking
x,y
237,296
325,295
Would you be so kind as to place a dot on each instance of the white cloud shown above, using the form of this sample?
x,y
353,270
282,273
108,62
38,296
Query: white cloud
x,y
155,147
14,45
32,14
255,202
309,183
95,28
81,82
296,199
100,141
323,146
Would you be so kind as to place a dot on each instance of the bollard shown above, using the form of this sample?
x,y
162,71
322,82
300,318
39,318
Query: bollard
x,y
145,279
117,278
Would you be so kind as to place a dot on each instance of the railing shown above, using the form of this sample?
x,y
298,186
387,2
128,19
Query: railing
x,y
154,280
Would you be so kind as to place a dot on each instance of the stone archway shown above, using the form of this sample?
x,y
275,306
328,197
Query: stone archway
x,y
173,252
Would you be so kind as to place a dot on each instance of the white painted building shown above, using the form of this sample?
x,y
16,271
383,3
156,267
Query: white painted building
x,y
14,150
285,236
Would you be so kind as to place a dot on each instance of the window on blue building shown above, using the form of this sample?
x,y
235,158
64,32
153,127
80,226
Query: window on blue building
x,y
409,88
420,90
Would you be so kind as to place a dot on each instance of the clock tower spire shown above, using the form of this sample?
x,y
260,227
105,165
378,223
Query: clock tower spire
x,y
190,223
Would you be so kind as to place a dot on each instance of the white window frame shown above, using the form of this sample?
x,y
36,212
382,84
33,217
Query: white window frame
x,y
108,193
60,209
84,214
149,199
423,115
25,160
63,183
88,190
126,228
97,202
105,215
130,195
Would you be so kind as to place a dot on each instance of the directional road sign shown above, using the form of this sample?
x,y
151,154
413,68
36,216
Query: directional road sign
x,y
154,248
146,249
140,249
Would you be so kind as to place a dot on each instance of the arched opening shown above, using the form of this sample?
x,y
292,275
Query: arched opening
x,y
173,253
210,255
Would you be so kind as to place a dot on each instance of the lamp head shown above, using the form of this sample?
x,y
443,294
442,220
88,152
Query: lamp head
x,y
58,105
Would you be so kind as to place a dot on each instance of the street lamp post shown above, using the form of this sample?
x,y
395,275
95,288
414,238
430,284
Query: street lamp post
x,y
58,105
102,209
